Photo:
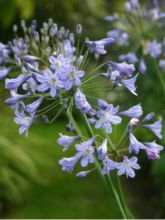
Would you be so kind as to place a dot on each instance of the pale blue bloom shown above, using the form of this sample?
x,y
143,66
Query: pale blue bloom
x,y
4,71
155,127
59,63
82,103
162,63
124,68
107,116
4,53
48,81
153,48
131,4
12,84
108,165
23,121
142,66
112,17
32,107
82,174
69,49
127,166
102,150
153,149
98,46
15,99
131,57
133,112
149,116
135,145
130,84
30,85
68,163
66,140
71,77
31,59
86,151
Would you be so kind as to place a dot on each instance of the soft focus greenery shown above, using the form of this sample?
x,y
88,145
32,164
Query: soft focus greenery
x,y
32,184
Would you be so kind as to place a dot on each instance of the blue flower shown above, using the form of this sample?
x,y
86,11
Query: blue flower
x,y
30,85
31,59
4,71
4,53
108,165
48,81
98,46
127,166
124,68
66,140
131,57
71,77
131,4
130,84
82,104
162,63
149,116
32,107
14,83
107,116
82,174
142,66
153,149
153,48
102,150
68,163
135,145
86,151
23,121
59,63
68,49
155,127
133,112
15,99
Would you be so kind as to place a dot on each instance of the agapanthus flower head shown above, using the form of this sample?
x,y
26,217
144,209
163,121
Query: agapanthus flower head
x,y
127,166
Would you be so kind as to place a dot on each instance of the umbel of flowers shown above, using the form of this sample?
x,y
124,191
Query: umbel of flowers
x,y
46,70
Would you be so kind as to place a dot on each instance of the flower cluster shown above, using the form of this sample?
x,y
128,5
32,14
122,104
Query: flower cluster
x,y
149,39
46,70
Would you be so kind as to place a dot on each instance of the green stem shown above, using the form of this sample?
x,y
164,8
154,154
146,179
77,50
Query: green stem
x,y
117,197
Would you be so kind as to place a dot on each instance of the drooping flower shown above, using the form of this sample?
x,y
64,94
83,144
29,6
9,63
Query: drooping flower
x,y
4,71
153,149
133,112
82,104
155,127
66,140
107,116
86,151
68,163
127,166
130,84
124,68
102,150
135,145
32,107
12,84
98,46
108,165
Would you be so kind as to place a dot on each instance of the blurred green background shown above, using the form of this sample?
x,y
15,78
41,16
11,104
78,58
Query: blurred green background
x,y
32,184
